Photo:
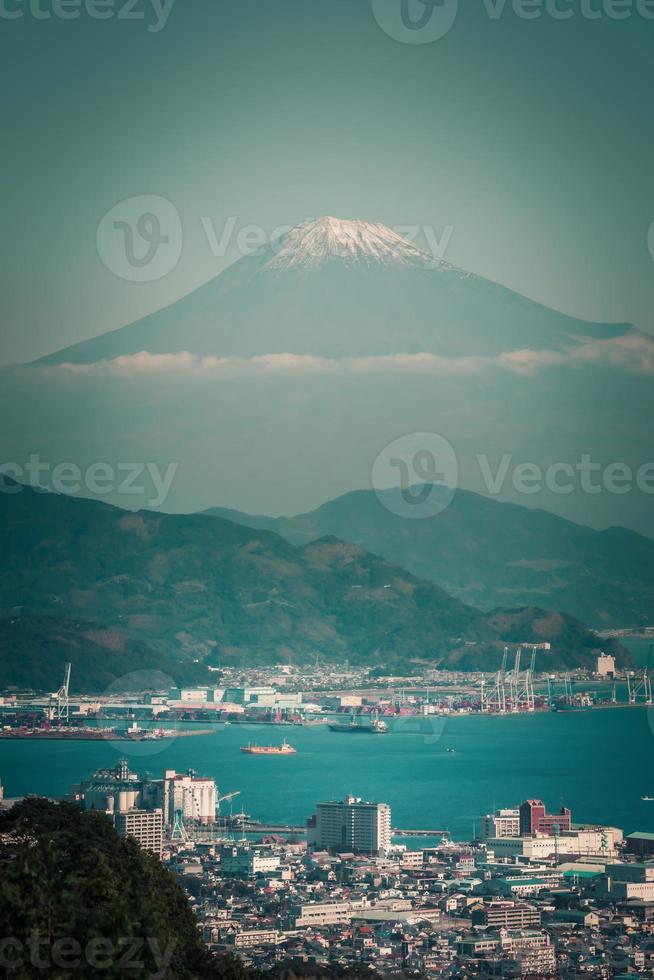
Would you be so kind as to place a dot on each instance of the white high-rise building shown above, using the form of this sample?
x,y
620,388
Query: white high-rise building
x,y
351,824
502,823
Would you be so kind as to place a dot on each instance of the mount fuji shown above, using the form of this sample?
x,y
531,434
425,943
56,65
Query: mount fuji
x,y
332,288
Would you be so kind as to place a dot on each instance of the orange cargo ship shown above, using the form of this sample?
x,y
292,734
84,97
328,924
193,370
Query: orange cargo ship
x,y
283,749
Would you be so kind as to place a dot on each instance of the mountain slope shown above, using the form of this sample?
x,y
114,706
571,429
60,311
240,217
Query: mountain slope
x,y
194,587
332,288
491,554
35,650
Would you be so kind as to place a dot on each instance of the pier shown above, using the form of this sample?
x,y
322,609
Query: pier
x,y
252,827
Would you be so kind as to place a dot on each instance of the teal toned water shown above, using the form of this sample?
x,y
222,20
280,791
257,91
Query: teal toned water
x,y
597,762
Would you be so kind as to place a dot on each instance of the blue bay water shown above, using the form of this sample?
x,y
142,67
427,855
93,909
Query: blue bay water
x,y
598,762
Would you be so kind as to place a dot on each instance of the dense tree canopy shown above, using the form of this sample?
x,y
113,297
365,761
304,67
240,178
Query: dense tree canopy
x,y
77,900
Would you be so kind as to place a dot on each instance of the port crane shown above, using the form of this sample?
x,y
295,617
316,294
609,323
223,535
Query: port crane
x,y
526,696
59,701
521,684
567,687
496,701
224,797
641,687
514,682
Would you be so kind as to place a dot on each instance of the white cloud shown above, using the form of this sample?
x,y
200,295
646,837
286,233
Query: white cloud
x,y
632,352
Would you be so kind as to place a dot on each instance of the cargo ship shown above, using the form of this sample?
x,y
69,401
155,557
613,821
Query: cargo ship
x,y
356,726
283,749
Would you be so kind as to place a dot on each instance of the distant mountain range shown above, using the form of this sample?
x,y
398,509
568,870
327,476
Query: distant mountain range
x,y
489,554
199,590
332,288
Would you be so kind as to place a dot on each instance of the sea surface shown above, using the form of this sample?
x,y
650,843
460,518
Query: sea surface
x,y
440,774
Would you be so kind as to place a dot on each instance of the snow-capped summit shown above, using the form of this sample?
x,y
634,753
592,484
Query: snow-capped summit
x,y
354,242
331,288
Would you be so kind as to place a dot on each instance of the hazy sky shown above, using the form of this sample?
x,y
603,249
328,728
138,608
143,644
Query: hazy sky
x,y
531,139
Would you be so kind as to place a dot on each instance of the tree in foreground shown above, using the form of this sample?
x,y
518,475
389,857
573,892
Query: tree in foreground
x,y
78,900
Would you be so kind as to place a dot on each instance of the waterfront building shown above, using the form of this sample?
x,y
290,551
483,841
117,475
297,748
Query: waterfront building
x,y
110,790
640,843
145,826
195,695
248,695
585,841
351,824
636,871
118,789
605,665
191,796
534,819
502,823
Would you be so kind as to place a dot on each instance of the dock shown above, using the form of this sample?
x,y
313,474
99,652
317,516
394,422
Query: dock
x,y
252,827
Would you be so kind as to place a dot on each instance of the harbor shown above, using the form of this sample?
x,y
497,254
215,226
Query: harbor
x,y
554,754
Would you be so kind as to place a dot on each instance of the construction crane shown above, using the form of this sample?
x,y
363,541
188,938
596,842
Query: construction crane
x,y
59,702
